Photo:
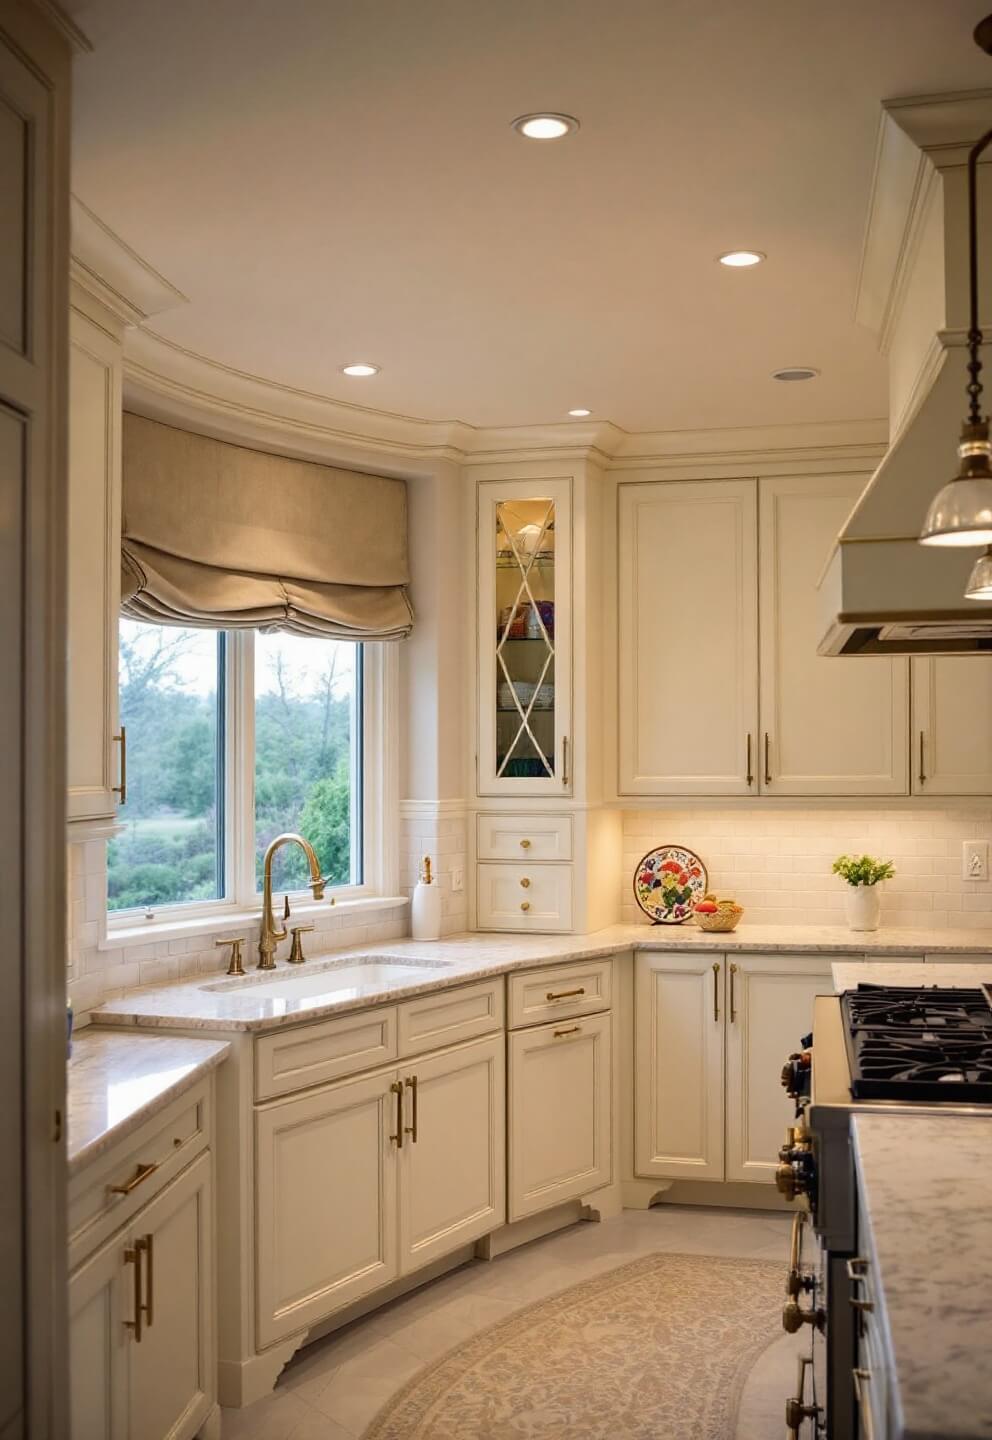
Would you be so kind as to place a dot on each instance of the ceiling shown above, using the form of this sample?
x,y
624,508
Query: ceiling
x,y
337,180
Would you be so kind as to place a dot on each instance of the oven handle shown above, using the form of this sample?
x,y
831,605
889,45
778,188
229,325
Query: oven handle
x,y
796,1409
795,1283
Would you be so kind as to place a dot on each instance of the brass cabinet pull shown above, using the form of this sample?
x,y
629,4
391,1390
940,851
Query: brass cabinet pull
x,y
750,772
525,904
564,760
716,989
525,883
572,1030
121,789
396,1088
139,1177
794,1281
132,1256
565,994
857,1273
525,844
412,1130
146,1244
923,769
733,1005
768,767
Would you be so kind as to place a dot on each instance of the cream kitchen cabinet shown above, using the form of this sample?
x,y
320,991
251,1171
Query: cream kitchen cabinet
x,y
688,638
952,725
560,1108
425,1174
769,1008
525,637
827,728
141,1321
705,569
711,1035
94,755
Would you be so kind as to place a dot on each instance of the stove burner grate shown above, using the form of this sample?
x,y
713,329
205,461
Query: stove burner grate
x,y
919,1044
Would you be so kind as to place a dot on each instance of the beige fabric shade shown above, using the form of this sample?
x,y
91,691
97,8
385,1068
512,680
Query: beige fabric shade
x,y
221,536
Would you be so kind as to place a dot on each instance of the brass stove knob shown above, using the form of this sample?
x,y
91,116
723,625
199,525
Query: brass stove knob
x,y
794,1318
786,1180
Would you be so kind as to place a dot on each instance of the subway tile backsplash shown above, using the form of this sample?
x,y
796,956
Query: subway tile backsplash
x,y
776,863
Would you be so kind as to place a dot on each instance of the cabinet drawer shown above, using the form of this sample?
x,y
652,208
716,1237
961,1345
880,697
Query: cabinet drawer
x,y
524,897
448,1016
561,990
525,837
308,1055
160,1149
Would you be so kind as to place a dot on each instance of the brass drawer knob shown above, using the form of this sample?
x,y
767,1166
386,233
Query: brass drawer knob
x,y
525,883
525,904
525,844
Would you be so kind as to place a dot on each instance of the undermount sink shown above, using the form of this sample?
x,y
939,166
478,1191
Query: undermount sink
x,y
363,973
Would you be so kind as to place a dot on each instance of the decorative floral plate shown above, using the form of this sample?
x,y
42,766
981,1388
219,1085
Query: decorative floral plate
x,y
668,882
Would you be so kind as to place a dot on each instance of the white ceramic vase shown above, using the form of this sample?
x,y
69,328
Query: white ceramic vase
x,y
863,904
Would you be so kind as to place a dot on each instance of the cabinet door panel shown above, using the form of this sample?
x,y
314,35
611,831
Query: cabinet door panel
x,y
561,1110
98,1345
325,1214
952,725
453,1168
688,648
833,728
679,1066
172,1380
772,1007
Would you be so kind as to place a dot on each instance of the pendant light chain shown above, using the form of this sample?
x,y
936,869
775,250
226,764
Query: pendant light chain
x,y
975,336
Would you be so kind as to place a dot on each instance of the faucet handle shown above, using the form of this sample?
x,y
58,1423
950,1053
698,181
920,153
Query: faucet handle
x,y
236,963
296,955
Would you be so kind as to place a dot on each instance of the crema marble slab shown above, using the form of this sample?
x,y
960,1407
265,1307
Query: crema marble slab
x,y
116,1080
213,1003
925,1187
947,973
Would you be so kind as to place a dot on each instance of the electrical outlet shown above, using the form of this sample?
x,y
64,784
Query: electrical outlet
x,y
975,859
457,879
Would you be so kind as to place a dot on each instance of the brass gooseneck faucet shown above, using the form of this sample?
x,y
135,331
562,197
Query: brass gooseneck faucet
x,y
271,936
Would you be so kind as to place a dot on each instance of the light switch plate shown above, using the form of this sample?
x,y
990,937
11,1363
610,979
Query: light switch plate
x,y
975,859
457,879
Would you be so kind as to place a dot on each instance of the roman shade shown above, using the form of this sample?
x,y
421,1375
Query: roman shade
x,y
221,536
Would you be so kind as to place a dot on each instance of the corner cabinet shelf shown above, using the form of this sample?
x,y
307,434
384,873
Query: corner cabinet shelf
x,y
525,639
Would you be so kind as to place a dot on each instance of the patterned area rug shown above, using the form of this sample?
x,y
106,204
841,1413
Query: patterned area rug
x,y
657,1350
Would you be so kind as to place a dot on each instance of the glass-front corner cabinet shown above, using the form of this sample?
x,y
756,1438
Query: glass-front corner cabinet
x,y
525,656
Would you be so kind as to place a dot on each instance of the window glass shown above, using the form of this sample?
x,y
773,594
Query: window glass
x,y
307,755
171,702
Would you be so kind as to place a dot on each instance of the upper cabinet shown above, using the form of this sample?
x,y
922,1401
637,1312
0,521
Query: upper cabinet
x,y
525,656
706,568
688,638
94,755
952,725
828,726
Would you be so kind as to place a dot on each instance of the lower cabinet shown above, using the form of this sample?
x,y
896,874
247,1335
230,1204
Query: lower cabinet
x,y
141,1321
711,1036
363,1180
561,1109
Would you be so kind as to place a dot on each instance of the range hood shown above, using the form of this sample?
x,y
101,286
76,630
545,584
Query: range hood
x,y
882,593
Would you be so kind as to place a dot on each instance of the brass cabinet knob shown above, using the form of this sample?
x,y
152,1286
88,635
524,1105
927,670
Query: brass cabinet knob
x,y
525,904
236,962
525,844
525,883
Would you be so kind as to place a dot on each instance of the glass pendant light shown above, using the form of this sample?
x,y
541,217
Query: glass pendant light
x,y
961,513
980,579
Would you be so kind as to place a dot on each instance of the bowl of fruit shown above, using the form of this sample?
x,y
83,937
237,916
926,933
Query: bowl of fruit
x,y
719,915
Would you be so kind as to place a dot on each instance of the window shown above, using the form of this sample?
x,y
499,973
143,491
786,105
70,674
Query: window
x,y
232,738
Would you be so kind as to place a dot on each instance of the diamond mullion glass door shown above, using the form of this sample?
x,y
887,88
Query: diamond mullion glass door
x,y
523,741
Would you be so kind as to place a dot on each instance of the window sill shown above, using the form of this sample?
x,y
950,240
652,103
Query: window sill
x,y
149,931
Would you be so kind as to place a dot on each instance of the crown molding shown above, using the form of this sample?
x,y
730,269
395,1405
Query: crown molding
x,y
119,278
64,22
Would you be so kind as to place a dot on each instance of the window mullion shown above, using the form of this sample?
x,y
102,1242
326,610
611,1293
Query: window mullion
x,y
241,766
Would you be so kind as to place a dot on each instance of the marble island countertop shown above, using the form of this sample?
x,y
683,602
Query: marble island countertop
x,y
926,1187
968,975
116,1080
212,1002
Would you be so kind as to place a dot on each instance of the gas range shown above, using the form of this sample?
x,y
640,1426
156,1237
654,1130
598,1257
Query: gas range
x,y
875,1048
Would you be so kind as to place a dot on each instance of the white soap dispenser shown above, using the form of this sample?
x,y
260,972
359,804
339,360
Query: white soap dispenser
x,y
425,911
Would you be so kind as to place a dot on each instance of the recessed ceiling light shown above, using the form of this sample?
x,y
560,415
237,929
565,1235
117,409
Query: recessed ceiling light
x,y
741,259
360,367
580,413
547,126
795,372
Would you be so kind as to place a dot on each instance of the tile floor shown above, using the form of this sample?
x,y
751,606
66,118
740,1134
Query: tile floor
x,y
333,1388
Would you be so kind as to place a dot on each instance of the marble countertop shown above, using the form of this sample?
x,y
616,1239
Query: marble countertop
x,y
926,1186
215,1003
116,1080
847,976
